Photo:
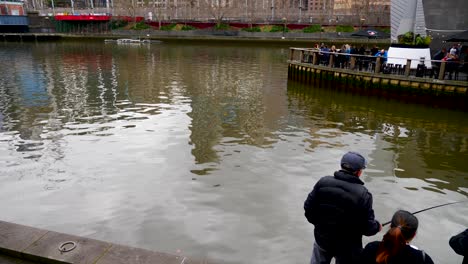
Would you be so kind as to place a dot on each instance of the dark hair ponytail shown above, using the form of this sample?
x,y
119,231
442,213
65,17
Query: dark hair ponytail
x,y
403,228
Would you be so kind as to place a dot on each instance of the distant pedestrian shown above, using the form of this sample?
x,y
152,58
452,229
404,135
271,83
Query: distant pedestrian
x,y
374,50
340,208
383,54
454,50
440,55
395,248
362,50
459,244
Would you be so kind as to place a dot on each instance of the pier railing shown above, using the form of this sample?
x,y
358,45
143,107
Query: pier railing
x,y
423,68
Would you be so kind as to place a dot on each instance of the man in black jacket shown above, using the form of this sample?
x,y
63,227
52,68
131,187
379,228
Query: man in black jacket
x,y
459,244
340,208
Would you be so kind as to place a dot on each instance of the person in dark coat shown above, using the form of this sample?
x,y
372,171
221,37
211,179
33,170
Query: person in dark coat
x,y
340,208
395,247
459,244
374,50
438,57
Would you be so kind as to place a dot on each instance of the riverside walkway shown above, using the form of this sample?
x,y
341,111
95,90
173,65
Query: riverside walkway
x,y
27,245
364,71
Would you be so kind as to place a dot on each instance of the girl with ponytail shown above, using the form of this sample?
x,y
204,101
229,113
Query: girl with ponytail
x,y
395,248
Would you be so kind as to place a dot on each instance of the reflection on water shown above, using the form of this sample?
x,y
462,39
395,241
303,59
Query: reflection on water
x,y
425,140
207,151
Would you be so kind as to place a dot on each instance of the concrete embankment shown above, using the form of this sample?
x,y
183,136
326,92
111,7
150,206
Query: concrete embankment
x,y
23,244
288,38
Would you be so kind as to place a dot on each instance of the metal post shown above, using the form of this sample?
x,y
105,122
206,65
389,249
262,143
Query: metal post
x,y
442,70
272,10
407,67
246,10
378,64
353,62
300,11
72,6
314,58
331,60
284,26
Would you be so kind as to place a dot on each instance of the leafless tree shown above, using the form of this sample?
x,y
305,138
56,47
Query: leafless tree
x,y
286,9
158,9
128,7
379,11
251,11
218,9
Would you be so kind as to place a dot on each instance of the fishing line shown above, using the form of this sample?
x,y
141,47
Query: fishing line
x,y
420,211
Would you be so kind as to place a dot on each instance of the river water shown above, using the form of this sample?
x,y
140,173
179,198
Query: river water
x,y
207,151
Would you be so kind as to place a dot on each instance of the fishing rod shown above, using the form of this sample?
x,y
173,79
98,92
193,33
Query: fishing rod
x,y
420,211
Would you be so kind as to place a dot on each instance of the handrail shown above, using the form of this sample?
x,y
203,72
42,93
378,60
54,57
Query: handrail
x,y
372,56
432,68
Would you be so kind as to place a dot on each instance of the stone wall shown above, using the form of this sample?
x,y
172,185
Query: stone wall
x,y
40,24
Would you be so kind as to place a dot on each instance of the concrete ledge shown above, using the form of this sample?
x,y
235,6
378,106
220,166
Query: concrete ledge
x,y
11,260
23,244
16,238
275,38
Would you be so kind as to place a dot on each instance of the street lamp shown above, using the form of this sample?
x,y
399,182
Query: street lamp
x,y
284,26
246,10
53,6
300,11
272,10
72,6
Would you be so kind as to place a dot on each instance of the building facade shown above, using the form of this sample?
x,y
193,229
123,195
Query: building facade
x,y
12,8
13,17
350,12
435,18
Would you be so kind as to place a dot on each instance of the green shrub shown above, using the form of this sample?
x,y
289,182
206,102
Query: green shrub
x,y
115,24
221,26
409,37
252,29
312,29
422,40
168,27
406,38
342,28
428,40
187,28
140,26
277,28
386,30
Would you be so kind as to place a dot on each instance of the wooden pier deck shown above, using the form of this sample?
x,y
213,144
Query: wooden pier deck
x,y
308,66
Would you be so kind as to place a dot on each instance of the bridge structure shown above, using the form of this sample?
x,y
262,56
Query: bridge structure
x,y
435,18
